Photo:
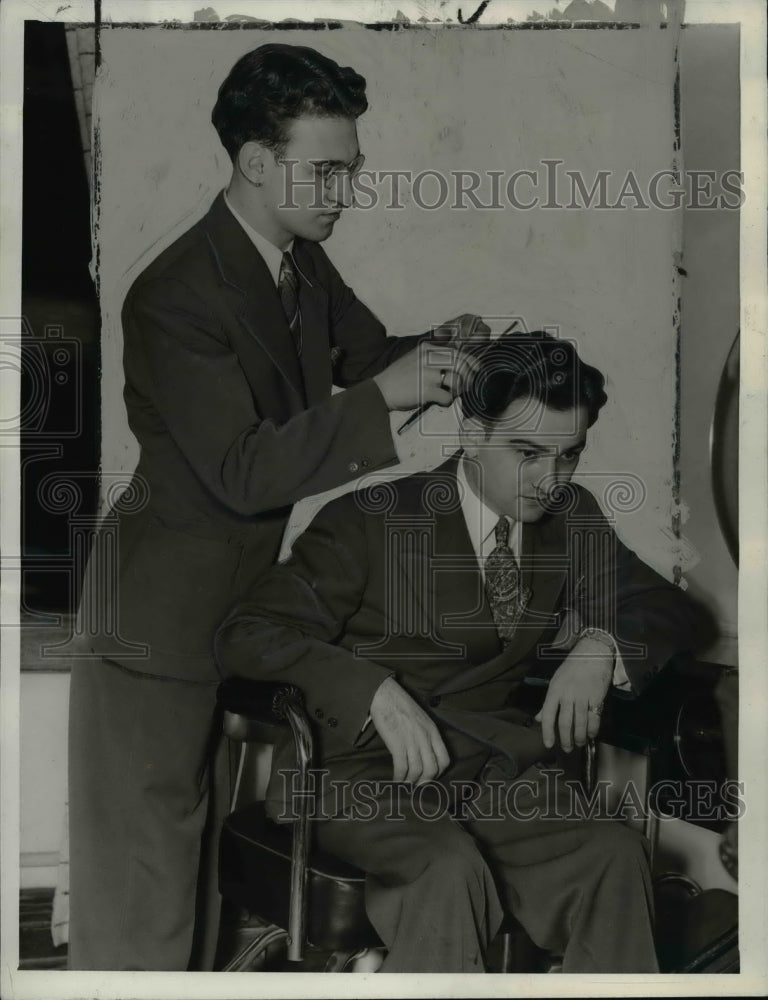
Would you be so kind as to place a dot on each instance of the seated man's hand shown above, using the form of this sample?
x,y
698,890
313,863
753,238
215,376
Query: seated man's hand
x,y
410,735
575,695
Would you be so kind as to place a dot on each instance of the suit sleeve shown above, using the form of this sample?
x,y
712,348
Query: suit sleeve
x,y
649,618
361,339
285,627
248,461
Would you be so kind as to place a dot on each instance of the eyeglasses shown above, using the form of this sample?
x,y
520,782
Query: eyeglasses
x,y
328,173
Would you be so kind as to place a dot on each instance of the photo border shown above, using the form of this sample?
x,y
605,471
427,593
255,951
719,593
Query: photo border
x,y
753,573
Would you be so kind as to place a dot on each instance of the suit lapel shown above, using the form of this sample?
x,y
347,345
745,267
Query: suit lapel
x,y
438,568
258,308
437,565
544,567
261,314
316,347
460,601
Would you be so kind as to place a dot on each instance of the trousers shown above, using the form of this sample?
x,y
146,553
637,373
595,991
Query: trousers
x,y
148,790
438,882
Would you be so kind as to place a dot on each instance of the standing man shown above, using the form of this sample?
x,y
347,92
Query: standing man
x,y
411,614
233,338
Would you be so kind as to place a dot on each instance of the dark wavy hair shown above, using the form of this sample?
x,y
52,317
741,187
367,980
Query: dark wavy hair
x,y
535,365
271,86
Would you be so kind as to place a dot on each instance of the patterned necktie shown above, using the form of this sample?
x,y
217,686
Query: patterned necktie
x,y
502,584
288,287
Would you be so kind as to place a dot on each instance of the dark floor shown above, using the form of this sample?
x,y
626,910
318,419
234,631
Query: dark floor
x,y
36,949
694,934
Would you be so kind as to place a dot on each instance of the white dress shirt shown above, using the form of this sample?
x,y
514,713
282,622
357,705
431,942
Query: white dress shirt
x,y
481,522
273,256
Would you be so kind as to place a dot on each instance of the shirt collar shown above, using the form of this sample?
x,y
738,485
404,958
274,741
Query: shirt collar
x,y
481,520
273,256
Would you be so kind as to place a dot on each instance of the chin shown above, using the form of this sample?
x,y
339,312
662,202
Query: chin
x,y
318,230
529,514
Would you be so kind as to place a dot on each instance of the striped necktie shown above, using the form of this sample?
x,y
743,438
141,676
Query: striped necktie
x,y
502,584
288,287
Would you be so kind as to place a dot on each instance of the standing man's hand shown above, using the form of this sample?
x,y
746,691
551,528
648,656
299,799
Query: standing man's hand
x,y
462,334
410,735
436,371
576,694
462,330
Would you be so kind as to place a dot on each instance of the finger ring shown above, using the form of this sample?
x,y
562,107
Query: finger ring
x,y
597,709
443,373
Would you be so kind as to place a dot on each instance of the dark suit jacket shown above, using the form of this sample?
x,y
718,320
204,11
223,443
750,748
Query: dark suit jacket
x,y
386,582
233,429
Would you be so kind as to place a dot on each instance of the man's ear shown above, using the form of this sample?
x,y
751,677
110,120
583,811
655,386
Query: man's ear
x,y
472,434
250,162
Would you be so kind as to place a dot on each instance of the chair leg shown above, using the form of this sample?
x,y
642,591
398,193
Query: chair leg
x,y
506,953
518,954
255,948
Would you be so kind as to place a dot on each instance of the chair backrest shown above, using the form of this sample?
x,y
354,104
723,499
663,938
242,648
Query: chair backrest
x,y
243,728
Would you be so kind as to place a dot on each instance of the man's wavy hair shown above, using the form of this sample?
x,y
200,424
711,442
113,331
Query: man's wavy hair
x,y
273,85
535,365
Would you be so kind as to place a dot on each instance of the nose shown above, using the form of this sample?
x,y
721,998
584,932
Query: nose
x,y
550,473
341,192
547,473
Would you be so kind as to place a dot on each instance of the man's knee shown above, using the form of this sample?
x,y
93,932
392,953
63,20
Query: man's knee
x,y
457,861
617,843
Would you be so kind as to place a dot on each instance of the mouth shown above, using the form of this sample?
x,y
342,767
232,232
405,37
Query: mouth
x,y
331,216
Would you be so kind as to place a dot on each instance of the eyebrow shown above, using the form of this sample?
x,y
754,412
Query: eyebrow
x,y
320,162
536,446
334,163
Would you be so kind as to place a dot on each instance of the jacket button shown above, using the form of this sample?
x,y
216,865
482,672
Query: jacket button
x,y
353,467
333,722
319,713
434,701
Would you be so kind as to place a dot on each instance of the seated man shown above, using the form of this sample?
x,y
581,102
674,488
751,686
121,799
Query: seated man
x,y
410,614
